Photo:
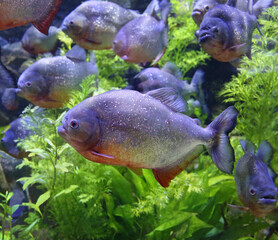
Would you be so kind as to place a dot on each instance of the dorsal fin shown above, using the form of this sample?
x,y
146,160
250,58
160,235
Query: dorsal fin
x,y
265,152
248,146
173,69
77,53
170,98
152,8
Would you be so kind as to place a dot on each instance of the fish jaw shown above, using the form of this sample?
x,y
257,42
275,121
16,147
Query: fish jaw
x,y
205,36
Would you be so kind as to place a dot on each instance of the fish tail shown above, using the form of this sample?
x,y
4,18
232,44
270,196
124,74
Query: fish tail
x,y
220,148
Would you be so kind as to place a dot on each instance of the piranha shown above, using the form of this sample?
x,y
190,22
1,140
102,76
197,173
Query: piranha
x,y
255,187
226,33
94,24
40,13
128,128
18,129
202,6
34,42
153,78
48,82
144,38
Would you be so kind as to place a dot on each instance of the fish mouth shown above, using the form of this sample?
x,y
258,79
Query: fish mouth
x,y
205,36
268,200
196,12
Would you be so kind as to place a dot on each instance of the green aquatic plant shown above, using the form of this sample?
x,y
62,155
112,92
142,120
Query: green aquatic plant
x,y
113,71
254,91
183,47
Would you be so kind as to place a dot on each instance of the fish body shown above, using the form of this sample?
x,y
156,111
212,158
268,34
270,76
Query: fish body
x,y
94,24
153,78
143,39
255,186
14,13
34,42
18,129
226,33
135,130
48,82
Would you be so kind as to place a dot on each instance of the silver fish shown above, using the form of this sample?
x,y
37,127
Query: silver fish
x,y
48,82
136,130
255,186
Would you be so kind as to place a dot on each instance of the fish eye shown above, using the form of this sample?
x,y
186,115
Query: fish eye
x,y
28,84
74,124
252,191
206,7
71,22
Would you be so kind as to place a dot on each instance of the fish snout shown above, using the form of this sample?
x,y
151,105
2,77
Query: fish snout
x,y
62,132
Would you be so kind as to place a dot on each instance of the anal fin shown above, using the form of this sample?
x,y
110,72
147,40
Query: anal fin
x,y
43,24
165,175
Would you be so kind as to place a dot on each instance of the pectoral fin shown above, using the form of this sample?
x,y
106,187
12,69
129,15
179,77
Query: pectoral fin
x,y
102,155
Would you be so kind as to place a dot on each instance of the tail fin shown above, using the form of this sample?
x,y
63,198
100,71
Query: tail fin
x,y
220,148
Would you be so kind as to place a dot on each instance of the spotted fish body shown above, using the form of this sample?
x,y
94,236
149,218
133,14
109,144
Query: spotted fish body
x,y
141,40
255,186
136,130
48,82
94,24
14,13
226,33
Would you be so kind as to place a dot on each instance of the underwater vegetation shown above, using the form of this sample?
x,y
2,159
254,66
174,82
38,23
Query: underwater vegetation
x,y
80,199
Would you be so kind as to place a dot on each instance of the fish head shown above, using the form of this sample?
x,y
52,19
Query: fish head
x,y
120,44
75,24
200,8
255,187
214,36
213,30
32,85
81,128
